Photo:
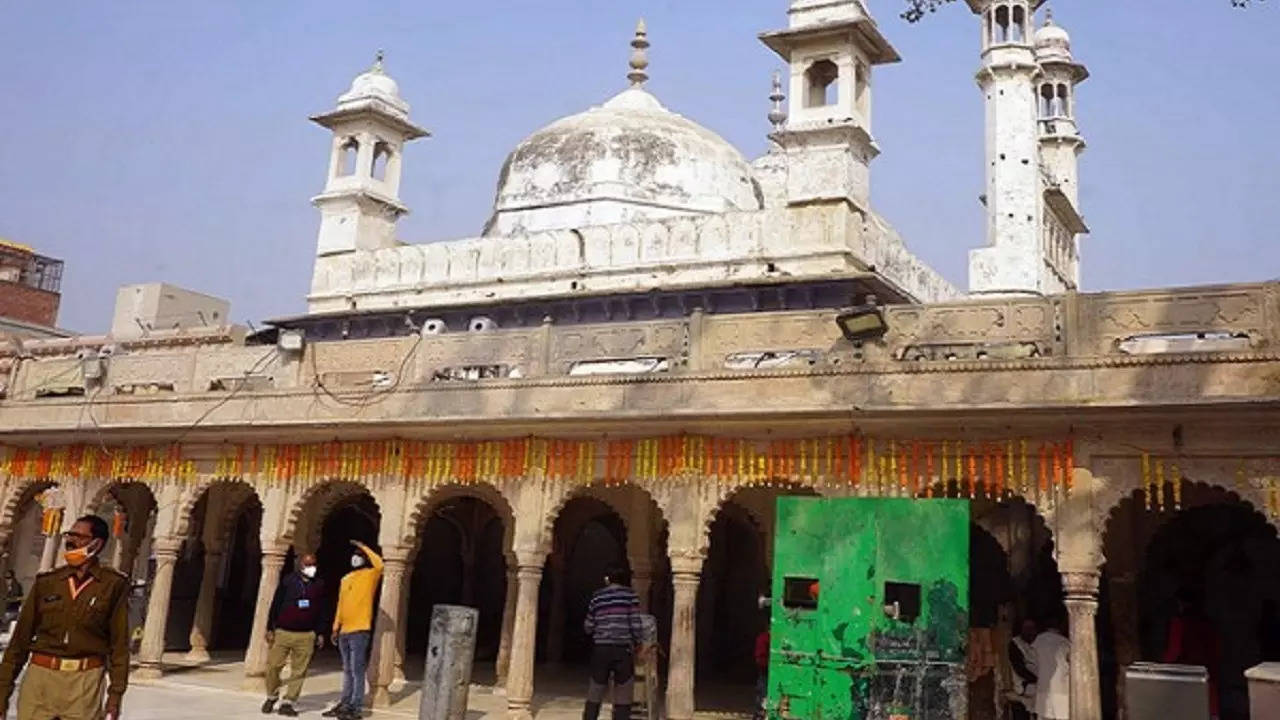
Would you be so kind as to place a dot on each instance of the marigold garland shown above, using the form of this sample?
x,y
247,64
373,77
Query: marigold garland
x,y
890,466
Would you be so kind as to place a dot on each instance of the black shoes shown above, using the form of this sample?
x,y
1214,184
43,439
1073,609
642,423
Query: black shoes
x,y
268,706
286,709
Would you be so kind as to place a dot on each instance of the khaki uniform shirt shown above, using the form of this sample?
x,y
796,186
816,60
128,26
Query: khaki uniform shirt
x,y
93,624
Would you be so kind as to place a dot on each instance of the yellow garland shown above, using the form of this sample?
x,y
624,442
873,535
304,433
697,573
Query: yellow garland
x,y
1160,484
1146,479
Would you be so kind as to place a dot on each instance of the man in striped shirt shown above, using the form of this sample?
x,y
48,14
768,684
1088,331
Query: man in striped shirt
x,y
614,624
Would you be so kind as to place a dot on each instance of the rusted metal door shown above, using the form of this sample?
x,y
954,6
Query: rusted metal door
x,y
870,609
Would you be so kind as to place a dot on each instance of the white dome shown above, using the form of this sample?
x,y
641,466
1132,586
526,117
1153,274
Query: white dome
x,y
1052,42
374,83
628,159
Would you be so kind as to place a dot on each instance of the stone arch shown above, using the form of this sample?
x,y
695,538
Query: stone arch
x,y
1151,556
1214,473
306,514
122,552
439,495
728,494
19,495
20,498
458,556
192,495
608,495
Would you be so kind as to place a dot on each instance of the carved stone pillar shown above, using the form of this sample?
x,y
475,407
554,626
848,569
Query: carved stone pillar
x,y
684,583
382,669
119,549
555,622
402,627
1081,594
49,556
255,658
523,636
508,620
202,626
151,655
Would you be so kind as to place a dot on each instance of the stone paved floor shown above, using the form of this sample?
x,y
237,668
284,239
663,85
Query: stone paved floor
x,y
216,691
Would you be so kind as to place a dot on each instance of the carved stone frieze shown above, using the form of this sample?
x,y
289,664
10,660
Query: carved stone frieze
x,y
656,339
134,372
1109,318
38,376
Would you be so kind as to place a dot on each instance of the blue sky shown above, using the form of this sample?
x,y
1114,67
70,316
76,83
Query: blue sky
x,y
168,141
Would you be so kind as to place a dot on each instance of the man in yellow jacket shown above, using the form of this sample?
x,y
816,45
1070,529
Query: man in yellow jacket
x,y
353,628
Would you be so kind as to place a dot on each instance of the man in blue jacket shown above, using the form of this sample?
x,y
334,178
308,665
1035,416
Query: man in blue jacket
x,y
295,630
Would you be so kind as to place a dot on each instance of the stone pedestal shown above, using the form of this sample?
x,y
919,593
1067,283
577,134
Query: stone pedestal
x,y
451,650
1081,595
386,627
202,626
150,656
683,644
255,658
523,636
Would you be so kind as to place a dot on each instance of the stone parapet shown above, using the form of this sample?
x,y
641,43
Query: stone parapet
x,y
819,242
1199,347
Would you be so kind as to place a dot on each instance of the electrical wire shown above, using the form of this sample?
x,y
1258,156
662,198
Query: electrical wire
x,y
261,362
374,396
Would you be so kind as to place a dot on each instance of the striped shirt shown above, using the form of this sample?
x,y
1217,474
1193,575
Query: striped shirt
x,y
613,616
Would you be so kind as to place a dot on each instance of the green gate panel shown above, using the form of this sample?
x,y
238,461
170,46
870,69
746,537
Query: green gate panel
x,y
870,609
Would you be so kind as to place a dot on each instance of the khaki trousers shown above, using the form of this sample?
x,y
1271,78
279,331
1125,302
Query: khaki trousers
x,y
296,648
46,694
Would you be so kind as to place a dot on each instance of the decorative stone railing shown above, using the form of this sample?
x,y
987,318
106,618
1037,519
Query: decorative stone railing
x,y
767,246
1194,324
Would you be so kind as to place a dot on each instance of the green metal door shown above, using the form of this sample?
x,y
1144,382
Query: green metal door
x,y
870,609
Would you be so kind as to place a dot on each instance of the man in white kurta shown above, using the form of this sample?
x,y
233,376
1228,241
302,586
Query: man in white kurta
x,y
1053,675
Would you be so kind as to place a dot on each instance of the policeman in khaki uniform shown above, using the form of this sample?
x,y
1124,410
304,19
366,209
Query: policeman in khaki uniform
x,y
74,629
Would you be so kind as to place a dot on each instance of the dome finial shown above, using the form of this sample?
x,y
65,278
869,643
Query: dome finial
x,y
1048,16
639,56
377,61
777,115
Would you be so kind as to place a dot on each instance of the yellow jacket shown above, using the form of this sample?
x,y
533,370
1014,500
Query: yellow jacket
x,y
355,596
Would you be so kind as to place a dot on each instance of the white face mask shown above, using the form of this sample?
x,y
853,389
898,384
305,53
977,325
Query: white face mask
x,y
357,561
309,572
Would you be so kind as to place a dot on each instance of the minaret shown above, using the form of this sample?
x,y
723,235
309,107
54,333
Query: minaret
x,y
830,47
1060,148
1012,260
361,199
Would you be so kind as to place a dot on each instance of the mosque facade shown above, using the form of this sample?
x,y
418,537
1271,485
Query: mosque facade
x,y
647,342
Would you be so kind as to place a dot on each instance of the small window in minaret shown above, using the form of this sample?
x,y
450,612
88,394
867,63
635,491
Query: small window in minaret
x,y
1002,24
1064,101
822,84
1046,101
1019,29
347,159
381,154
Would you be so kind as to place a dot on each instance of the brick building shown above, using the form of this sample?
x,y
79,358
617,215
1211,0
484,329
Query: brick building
x,y
30,287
